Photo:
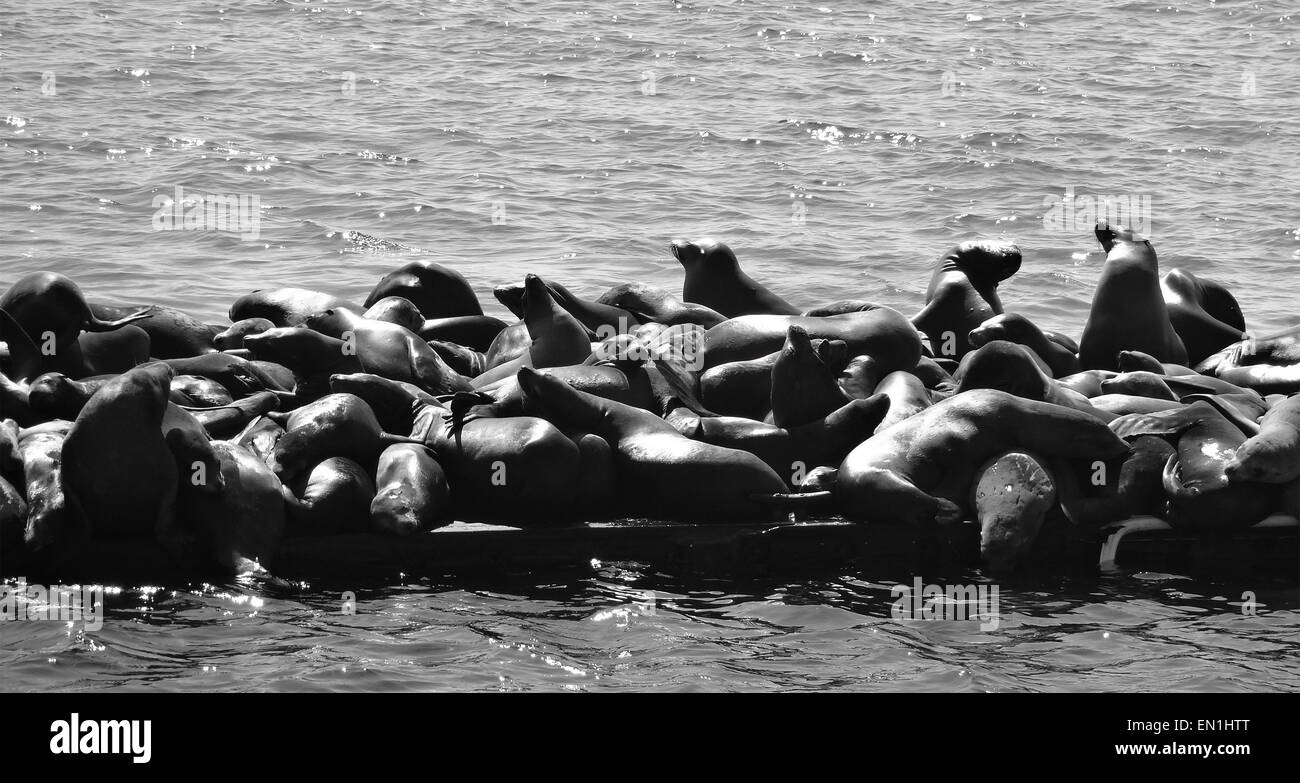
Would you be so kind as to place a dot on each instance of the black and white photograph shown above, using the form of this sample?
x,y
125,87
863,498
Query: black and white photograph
x,y
651,346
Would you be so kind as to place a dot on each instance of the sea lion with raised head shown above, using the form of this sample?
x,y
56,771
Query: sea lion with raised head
x,y
117,467
48,303
963,294
555,337
1190,301
1128,311
714,279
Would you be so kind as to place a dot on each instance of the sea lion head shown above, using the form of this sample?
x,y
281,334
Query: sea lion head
x,y
55,395
1007,326
1002,365
333,322
233,336
708,250
986,260
396,310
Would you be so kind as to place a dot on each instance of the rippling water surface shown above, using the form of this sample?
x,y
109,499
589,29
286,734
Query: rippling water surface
x,y
838,148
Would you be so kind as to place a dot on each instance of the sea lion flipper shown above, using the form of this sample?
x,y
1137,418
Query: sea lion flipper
x,y
94,324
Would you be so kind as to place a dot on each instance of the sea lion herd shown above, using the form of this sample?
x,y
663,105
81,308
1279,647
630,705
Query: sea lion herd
x,y
310,415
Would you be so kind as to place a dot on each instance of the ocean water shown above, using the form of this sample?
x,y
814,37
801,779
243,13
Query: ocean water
x,y
839,148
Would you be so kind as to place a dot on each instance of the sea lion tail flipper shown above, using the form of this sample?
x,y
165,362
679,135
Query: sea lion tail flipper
x,y
94,324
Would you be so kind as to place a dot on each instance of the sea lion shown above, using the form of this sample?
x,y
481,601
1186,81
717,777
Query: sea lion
x,y
336,425
48,303
394,403
412,491
1201,495
658,469
556,338
466,361
396,310
920,471
510,343
241,526
860,377
963,294
1272,456
907,397
1189,300
172,333
741,388
1093,495
1277,348
788,451
203,392
439,292
56,396
51,521
1199,492
390,350
882,333
1087,382
1132,361
240,376
1018,329
1010,497
332,498
714,279
519,470
233,336
311,356
655,304
117,467
284,306
1141,383
476,332
804,389
1012,368
602,319
1128,311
